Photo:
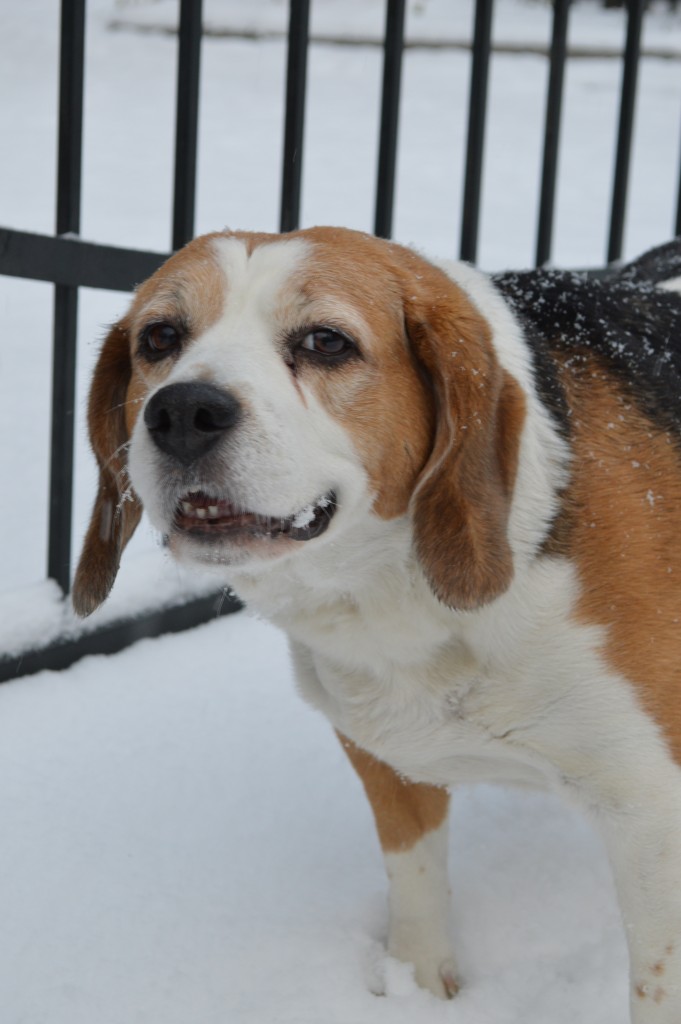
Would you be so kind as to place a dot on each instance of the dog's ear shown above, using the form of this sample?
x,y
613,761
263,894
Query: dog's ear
x,y
117,508
461,502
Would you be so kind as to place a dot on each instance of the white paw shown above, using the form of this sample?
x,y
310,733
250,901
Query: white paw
x,y
434,970
441,979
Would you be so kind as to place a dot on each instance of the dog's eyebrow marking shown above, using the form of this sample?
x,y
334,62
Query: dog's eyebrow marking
x,y
164,302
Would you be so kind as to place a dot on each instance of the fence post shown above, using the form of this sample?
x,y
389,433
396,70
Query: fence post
x,y
390,107
296,80
72,56
477,110
554,101
626,124
187,117
677,222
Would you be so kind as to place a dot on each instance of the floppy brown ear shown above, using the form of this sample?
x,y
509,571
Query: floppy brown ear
x,y
461,503
117,508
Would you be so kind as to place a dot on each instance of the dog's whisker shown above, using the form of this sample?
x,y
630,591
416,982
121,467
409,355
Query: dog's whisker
x,y
125,446
123,405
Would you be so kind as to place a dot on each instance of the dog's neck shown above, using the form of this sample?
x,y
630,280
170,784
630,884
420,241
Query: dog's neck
x,y
349,567
342,583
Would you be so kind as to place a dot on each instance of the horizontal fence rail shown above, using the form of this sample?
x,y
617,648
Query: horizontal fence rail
x,y
70,263
115,636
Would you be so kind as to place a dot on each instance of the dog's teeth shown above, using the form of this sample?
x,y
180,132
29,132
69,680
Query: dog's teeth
x,y
213,511
201,513
187,508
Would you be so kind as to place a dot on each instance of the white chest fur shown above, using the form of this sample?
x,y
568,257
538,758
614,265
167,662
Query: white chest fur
x,y
517,692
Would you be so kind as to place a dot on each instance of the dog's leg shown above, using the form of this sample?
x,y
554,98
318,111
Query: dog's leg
x,y
645,851
411,819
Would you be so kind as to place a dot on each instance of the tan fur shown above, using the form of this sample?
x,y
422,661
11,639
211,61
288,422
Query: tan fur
x,y
625,502
404,811
188,286
117,509
435,417
381,401
461,509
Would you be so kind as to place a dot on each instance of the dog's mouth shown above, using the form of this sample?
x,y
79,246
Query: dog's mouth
x,y
203,515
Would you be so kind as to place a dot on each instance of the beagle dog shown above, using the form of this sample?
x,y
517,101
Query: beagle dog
x,y
461,498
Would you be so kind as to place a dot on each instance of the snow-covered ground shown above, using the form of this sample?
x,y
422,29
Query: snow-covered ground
x,y
183,840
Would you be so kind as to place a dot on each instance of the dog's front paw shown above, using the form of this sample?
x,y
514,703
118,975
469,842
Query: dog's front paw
x,y
440,979
434,969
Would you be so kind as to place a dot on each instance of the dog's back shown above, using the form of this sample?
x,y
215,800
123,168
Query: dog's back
x,y
624,326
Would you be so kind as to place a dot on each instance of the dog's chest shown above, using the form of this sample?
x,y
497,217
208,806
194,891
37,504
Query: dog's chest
x,y
516,692
444,721
401,683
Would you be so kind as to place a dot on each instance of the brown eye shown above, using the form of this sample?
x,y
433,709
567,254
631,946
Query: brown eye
x,y
325,342
160,339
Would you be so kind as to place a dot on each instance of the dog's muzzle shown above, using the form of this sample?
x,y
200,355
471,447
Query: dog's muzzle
x,y
186,420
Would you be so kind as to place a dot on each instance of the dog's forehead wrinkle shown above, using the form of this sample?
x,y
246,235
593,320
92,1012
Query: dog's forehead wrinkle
x,y
164,302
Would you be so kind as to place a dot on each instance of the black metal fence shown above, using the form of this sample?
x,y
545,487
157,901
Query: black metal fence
x,y
71,264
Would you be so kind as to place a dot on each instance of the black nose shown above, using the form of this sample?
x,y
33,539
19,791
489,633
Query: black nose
x,y
186,420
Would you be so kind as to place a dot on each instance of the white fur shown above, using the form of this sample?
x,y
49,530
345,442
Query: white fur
x,y
517,692
419,911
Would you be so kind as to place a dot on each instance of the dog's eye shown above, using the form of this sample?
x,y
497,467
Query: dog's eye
x,y
160,339
326,342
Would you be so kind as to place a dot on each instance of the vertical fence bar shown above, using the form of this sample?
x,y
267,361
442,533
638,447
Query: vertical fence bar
x,y
677,223
554,103
187,119
71,73
393,48
626,124
477,110
296,79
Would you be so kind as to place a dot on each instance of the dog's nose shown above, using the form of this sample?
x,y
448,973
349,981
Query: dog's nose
x,y
186,420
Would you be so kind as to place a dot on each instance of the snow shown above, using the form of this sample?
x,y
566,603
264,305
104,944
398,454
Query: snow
x,y
305,516
183,839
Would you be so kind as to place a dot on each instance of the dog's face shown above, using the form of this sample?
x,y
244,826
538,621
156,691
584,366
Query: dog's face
x,y
266,393
256,382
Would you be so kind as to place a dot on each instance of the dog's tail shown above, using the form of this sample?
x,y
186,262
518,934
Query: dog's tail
x,y
660,267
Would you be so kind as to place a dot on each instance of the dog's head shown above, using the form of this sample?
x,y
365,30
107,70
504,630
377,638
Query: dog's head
x,y
264,393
